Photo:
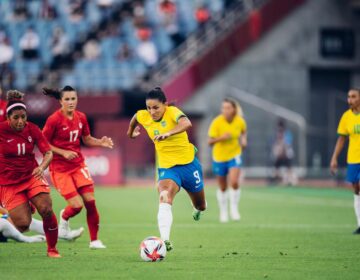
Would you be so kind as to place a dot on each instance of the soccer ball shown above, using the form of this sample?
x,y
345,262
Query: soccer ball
x,y
152,249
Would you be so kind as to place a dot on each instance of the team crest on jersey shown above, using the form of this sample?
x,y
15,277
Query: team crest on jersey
x,y
156,132
80,125
163,123
30,139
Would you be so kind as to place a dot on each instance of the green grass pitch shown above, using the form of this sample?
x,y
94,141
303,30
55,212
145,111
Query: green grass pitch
x,y
285,233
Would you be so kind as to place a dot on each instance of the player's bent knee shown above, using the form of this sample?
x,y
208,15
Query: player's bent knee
x,y
23,225
164,197
45,210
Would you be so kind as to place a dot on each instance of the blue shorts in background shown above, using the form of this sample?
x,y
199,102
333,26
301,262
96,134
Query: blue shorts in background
x,y
353,173
188,176
222,168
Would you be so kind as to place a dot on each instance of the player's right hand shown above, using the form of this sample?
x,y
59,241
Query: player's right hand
x,y
333,166
136,132
70,155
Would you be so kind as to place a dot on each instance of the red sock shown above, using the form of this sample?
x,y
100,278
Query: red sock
x,y
50,226
92,216
70,212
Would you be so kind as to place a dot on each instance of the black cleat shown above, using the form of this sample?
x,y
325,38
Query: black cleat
x,y
357,231
3,239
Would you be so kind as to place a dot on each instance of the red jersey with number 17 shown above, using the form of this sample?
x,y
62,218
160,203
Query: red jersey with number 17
x,y
65,133
17,158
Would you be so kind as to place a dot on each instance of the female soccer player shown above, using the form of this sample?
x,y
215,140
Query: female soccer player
x,y
69,174
21,178
227,136
349,128
177,164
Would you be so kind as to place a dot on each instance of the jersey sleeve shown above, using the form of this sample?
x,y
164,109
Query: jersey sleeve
x,y
176,113
49,128
213,130
85,128
40,140
342,128
141,116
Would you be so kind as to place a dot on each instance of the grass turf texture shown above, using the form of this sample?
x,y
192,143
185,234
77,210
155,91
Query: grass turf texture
x,y
285,233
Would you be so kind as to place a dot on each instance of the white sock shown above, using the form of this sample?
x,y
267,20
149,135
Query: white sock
x,y
10,231
222,198
37,226
165,219
234,196
357,208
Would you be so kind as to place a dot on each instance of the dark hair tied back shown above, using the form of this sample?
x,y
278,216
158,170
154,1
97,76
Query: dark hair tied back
x,y
55,93
14,95
157,93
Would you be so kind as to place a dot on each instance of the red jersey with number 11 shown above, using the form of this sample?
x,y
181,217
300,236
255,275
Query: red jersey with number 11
x,y
65,133
17,159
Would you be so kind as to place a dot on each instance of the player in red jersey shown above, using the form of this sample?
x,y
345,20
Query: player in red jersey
x,y
21,178
2,107
70,175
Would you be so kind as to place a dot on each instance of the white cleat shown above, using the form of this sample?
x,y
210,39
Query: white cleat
x,y
72,235
224,217
64,226
35,239
97,244
235,215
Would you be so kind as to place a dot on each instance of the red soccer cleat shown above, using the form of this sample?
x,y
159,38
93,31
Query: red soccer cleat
x,y
53,253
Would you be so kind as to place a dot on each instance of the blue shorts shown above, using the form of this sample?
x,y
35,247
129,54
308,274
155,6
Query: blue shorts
x,y
189,176
222,168
353,173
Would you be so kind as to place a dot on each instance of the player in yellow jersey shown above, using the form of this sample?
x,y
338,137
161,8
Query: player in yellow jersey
x,y
349,128
227,136
177,164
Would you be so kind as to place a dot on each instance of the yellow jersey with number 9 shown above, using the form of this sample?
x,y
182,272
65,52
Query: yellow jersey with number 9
x,y
349,125
175,150
229,149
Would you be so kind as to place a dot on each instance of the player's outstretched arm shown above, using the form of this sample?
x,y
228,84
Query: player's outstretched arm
x,y
183,125
134,129
338,148
105,142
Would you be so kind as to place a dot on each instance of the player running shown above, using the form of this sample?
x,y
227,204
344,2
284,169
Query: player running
x,y
349,128
21,178
177,164
69,173
227,136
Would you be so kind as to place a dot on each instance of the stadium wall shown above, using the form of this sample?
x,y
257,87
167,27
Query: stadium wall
x,y
185,83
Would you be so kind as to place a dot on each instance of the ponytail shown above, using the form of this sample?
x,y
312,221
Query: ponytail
x,y
52,93
14,95
55,93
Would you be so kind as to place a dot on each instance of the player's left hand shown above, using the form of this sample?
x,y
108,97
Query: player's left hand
x,y
162,137
38,172
107,142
